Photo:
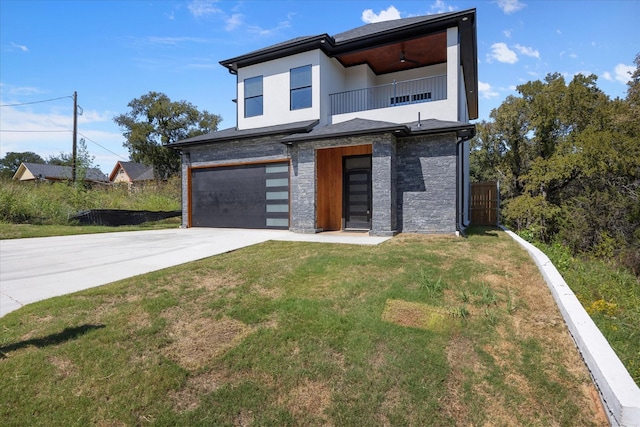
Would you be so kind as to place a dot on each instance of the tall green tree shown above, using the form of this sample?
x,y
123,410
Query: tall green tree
x,y
10,163
154,122
568,159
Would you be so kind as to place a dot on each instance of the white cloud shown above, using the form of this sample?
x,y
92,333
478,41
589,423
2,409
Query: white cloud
x,y
20,46
19,90
507,33
200,8
48,131
607,76
623,72
267,32
234,21
528,51
486,91
441,7
369,17
501,53
510,6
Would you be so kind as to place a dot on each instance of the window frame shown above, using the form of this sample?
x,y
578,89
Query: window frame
x,y
254,97
296,88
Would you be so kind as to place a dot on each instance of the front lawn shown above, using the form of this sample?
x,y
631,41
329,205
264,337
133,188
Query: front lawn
x,y
421,330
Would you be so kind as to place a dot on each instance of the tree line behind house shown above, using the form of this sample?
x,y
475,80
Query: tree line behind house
x,y
568,161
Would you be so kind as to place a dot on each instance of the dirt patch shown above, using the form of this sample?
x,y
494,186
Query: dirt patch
x,y
214,282
64,367
462,359
418,315
189,396
308,398
196,342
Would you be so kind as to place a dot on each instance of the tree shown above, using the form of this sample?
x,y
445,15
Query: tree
x,y
568,160
154,122
84,160
10,163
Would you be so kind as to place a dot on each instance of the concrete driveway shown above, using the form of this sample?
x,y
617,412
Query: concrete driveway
x,y
39,268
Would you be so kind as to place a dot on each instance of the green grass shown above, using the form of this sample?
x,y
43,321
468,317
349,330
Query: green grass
x,y
611,295
43,203
416,331
20,231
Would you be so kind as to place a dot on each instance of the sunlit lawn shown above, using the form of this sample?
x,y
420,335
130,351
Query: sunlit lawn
x,y
420,330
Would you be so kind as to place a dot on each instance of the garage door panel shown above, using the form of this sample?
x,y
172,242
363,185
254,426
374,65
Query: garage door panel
x,y
247,196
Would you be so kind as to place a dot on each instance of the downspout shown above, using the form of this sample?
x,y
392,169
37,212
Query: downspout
x,y
460,193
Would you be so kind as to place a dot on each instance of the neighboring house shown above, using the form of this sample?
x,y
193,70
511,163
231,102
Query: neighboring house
x,y
131,173
40,172
365,130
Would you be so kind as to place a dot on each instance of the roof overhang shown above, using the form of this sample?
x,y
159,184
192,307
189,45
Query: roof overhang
x,y
388,47
360,127
233,134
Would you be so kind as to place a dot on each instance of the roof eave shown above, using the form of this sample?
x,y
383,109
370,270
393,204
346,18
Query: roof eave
x,y
465,131
408,31
191,142
323,41
399,130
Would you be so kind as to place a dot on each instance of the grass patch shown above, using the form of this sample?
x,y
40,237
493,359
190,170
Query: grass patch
x,y
611,296
43,203
21,231
421,330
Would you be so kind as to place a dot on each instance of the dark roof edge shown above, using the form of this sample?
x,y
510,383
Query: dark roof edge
x,y
397,129
322,41
198,140
465,131
439,23
330,47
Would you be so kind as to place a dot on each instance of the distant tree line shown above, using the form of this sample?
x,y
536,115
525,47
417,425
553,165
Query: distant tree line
x,y
568,161
10,163
153,122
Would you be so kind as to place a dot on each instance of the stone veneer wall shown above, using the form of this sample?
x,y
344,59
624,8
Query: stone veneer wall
x,y
413,179
303,182
427,184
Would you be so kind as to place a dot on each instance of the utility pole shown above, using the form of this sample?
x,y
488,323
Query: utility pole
x,y
74,152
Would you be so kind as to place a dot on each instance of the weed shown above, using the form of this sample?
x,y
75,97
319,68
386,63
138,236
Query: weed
x,y
432,288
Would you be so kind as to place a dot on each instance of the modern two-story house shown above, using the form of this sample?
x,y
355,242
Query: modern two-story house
x,y
364,130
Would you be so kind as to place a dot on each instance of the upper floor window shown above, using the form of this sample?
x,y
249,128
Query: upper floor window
x,y
253,96
301,87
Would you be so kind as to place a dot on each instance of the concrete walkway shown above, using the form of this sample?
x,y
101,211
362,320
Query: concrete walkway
x,y
39,268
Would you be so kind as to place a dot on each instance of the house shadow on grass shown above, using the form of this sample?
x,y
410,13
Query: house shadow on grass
x,y
482,230
66,335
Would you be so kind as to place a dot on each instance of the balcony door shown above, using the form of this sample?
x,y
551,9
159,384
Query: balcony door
x,y
357,192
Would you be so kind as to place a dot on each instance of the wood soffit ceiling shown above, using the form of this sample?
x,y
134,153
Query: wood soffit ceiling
x,y
418,52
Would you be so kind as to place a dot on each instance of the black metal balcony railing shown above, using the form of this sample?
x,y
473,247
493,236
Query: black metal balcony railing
x,y
390,95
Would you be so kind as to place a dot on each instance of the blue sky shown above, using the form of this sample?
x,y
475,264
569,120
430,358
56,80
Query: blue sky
x,y
111,52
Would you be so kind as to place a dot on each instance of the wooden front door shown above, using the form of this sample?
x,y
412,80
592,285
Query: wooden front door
x,y
330,183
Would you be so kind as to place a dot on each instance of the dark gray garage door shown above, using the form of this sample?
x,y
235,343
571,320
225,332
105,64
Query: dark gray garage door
x,y
246,196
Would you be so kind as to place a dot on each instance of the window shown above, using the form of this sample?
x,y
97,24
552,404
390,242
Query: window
x,y
253,96
300,87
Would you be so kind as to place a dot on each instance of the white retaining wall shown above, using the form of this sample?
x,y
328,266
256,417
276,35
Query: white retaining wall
x,y
618,391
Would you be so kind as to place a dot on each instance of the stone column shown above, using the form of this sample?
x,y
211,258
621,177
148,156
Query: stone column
x,y
384,187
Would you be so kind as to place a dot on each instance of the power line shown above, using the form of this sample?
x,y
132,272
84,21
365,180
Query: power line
x,y
42,131
101,146
34,102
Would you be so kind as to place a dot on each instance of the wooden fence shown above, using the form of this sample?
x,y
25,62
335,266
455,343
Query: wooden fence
x,y
485,203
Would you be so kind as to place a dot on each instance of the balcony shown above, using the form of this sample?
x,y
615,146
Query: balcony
x,y
390,95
